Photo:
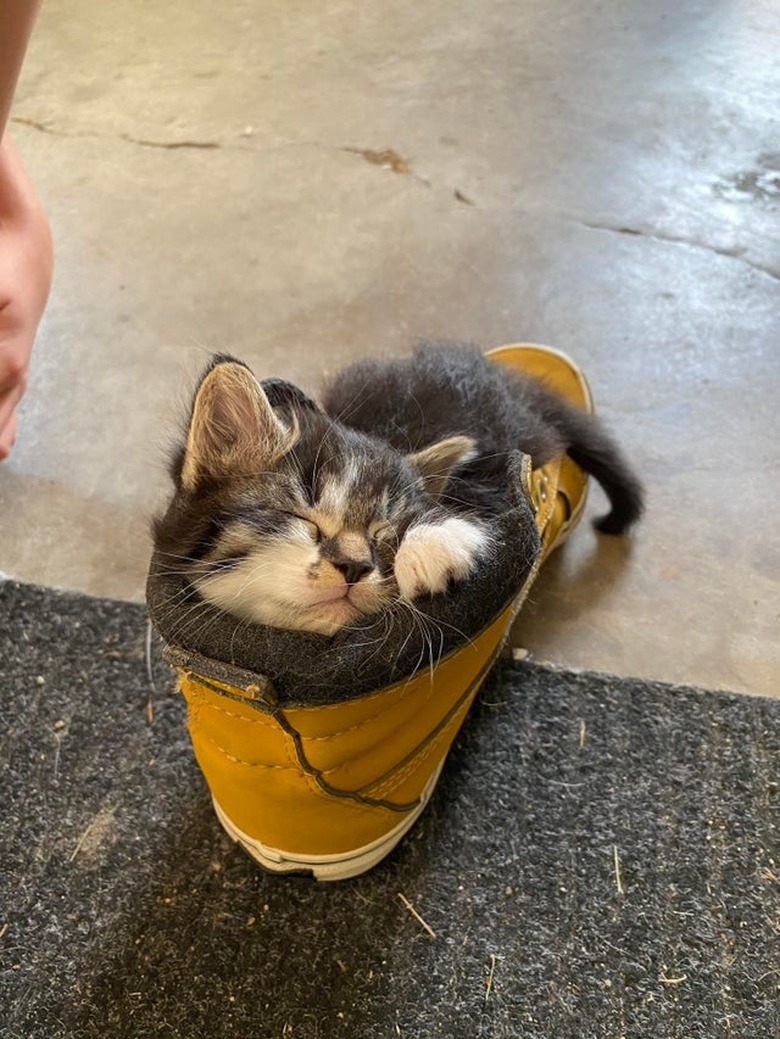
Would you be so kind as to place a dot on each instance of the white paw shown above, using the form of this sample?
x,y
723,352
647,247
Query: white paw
x,y
433,554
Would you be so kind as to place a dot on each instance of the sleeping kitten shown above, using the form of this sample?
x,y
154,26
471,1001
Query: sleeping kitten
x,y
304,517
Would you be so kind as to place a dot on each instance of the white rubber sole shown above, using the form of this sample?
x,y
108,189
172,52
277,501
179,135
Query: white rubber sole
x,y
341,866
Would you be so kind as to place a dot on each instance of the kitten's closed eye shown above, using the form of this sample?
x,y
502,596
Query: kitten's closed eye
x,y
433,554
381,531
311,527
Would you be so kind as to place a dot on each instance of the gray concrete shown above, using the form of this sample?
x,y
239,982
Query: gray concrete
x,y
605,178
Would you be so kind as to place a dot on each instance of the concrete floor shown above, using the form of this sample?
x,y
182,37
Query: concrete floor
x,y
601,177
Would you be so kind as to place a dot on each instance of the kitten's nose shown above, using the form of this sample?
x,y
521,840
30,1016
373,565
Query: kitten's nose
x,y
353,569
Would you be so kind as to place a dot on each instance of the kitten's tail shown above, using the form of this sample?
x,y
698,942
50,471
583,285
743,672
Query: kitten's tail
x,y
593,449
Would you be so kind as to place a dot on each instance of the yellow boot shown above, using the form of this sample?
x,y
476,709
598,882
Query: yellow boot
x,y
331,789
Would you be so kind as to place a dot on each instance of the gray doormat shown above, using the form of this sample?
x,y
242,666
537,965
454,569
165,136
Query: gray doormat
x,y
600,859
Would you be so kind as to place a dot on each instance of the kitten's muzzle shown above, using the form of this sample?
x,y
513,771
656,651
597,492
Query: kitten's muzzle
x,y
353,569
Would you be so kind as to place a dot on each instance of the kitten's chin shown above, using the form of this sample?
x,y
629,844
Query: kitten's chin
x,y
329,618
322,617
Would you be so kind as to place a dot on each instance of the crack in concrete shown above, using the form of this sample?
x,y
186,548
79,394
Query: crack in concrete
x,y
47,128
141,142
172,145
735,253
387,159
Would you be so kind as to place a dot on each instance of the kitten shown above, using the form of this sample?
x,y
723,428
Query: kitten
x,y
304,517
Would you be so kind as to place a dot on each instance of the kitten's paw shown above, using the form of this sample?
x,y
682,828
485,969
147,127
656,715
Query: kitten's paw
x,y
433,554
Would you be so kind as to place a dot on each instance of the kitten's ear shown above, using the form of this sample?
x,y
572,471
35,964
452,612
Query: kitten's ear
x,y
435,463
233,428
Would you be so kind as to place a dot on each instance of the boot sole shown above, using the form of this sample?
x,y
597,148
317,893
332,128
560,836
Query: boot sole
x,y
329,867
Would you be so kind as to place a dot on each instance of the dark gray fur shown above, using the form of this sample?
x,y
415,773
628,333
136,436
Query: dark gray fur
x,y
377,407
444,390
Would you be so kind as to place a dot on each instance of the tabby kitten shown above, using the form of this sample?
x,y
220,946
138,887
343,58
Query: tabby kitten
x,y
304,517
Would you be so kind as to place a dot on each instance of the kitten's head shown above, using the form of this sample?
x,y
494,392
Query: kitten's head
x,y
283,516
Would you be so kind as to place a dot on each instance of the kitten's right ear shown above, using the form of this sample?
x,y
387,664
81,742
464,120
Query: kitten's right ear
x,y
233,428
436,463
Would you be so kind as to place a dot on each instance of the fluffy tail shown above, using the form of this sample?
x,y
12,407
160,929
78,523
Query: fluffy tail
x,y
591,447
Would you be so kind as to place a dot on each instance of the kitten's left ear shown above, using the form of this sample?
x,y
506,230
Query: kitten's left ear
x,y
234,430
436,463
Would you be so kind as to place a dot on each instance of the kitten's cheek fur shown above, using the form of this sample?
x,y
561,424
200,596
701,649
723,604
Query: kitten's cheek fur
x,y
433,554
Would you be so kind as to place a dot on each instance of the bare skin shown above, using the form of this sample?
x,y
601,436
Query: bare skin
x,y
25,238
